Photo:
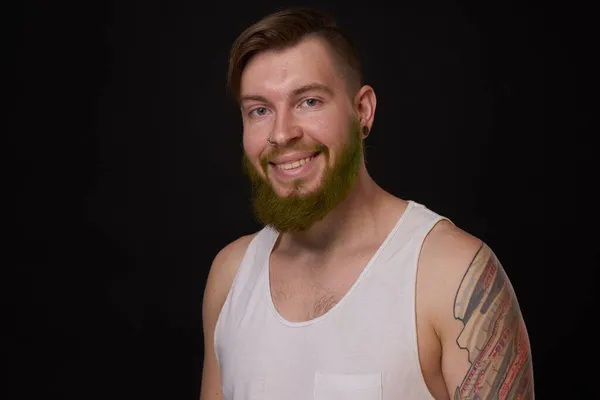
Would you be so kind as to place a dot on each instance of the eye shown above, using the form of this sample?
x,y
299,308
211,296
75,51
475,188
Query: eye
x,y
312,102
259,112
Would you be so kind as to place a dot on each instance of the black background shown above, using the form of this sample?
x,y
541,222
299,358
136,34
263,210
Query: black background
x,y
125,175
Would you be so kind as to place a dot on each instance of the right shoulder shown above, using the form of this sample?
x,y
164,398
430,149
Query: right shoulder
x,y
223,270
220,278
233,252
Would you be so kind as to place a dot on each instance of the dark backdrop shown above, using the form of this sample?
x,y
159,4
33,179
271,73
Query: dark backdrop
x,y
125,177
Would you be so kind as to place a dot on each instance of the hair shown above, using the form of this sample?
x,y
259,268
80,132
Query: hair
x,y
286,28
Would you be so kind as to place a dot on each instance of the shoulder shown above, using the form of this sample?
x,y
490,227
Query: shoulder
x,y
451,244
458,274
221,274
223,269
232,253
471,305
450,256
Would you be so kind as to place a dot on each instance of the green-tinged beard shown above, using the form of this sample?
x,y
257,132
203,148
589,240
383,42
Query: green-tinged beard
x,y
299,211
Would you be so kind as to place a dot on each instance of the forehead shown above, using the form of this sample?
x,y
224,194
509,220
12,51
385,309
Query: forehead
x,y
281,71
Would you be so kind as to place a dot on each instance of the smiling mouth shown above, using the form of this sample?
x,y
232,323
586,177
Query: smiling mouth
x,y
295,164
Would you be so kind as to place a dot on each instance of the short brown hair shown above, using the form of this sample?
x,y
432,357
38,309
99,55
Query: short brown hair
x,y
285,28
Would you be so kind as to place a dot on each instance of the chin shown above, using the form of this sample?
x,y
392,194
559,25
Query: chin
x,y
299,189
289,192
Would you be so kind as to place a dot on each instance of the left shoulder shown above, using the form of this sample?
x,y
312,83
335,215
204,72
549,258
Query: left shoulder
x,y
448,251
471,305
449,256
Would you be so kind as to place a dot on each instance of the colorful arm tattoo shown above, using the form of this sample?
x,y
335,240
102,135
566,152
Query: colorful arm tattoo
x,y
493,334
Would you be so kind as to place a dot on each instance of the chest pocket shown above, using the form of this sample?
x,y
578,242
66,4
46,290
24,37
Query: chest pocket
x,y
329,386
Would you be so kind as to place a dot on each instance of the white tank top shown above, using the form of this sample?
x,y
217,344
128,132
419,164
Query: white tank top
x,y
364,348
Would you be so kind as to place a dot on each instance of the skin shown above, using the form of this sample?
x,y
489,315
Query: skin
x,y
473,343
298,210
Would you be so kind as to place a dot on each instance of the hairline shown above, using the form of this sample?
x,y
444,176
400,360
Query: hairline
x,y
341,69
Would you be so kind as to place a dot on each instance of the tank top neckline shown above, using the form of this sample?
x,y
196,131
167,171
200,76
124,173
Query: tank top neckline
x,y
344,298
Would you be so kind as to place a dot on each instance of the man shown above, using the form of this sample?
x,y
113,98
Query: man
x,y
348,292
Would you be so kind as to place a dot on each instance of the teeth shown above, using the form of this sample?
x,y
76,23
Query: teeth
x,y
294,164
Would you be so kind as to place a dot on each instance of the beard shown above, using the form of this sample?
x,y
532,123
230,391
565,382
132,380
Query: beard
x,y
300,210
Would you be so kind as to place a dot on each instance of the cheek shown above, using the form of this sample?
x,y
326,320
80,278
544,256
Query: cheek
x,y
246,144
253,148
330,128
332,134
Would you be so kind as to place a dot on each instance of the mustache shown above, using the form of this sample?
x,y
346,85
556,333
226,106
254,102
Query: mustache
x,y
267,158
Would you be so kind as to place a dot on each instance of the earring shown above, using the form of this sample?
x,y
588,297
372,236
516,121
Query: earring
x,y
365,131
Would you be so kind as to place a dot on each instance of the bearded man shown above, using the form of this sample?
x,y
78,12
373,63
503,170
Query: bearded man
x,y
348,292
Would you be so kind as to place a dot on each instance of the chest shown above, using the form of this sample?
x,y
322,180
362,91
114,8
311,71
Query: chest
x,y
371,333
305,291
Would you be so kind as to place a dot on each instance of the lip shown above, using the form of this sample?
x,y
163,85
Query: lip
x,y
295,173
293,157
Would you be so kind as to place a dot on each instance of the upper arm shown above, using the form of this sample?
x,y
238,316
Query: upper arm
x,y
486,352
491,333
220,277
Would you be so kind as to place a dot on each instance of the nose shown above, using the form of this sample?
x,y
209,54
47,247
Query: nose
x,y
285,130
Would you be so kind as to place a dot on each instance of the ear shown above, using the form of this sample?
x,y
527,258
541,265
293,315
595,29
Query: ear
x,y
364,106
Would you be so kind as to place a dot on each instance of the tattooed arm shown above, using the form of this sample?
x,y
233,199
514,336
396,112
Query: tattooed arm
x,y
485,349
493,334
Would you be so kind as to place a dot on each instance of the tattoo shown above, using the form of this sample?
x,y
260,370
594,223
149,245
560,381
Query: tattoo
x,y
493,334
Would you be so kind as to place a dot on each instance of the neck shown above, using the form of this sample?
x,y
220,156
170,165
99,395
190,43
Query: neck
x,y
356,217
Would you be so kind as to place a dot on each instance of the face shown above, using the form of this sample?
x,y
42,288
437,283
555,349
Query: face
x,y
302,106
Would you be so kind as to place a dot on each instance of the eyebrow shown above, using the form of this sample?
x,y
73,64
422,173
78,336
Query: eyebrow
x,y
296,92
